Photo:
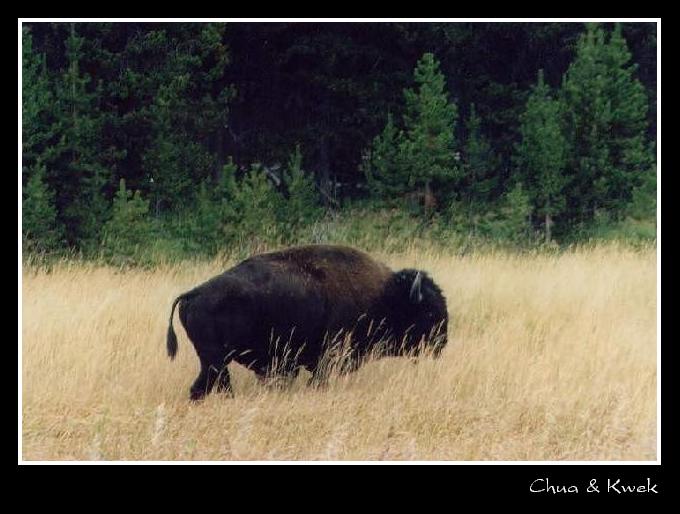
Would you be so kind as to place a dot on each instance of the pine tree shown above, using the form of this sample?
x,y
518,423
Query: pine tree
x,y
171,163
542,154
226,189
605,110
181,68
40,229
420,159
382,168
428,150
128,229
630,157
36,103
515,211
257,204
478,166
75,158
226,199
207,233
643,202
301,208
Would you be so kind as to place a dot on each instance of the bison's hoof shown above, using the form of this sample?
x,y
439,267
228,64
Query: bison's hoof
x,y
196,396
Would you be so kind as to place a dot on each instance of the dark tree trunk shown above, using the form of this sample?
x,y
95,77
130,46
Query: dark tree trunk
x,y
324,170
219,153
429,200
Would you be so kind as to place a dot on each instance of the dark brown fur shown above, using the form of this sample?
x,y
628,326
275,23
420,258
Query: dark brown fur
x,y
277,312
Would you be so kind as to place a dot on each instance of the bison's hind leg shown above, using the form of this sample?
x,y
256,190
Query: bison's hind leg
x,y
224,382
213,370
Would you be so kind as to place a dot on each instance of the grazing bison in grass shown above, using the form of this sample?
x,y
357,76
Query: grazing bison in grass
x,y
277,312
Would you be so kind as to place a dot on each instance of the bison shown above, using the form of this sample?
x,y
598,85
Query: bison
x,y
277,312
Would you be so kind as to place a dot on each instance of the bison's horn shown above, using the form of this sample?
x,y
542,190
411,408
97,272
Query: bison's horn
x,y
416,294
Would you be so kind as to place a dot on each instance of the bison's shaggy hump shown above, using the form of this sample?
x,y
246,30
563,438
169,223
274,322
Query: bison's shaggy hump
x,y
336,270
289,306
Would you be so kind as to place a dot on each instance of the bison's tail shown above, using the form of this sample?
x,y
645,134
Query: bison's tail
x,y
171,341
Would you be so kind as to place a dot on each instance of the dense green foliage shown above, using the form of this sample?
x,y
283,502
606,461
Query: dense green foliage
x,y
382,164
605,120
429,146
301,206
246,135
421,157
542,153
479,166
40,230
128,229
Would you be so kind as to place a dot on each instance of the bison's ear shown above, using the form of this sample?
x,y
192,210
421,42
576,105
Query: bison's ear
x,y
416,295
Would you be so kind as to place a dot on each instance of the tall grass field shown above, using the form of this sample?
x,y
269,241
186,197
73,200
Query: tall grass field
x,y
551,356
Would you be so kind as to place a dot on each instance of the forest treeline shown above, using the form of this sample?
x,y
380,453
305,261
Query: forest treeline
x,y
192,137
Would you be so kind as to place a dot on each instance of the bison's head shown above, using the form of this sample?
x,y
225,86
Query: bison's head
x,y
417,310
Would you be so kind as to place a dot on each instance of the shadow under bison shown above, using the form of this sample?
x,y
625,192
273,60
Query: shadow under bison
x,y
277,312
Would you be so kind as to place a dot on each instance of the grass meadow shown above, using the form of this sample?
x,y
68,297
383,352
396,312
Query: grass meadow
x,y
551,356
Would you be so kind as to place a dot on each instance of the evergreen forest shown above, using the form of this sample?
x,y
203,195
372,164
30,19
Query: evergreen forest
x,y
145,142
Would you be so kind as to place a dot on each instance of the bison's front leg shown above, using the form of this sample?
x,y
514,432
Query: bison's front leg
x,y
319,378
279,380
322,373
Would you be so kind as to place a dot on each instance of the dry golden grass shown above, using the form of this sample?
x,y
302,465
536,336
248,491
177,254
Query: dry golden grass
x,y
550,358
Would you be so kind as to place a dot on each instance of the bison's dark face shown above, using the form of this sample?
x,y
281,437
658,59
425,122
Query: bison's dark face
x,y
418,312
